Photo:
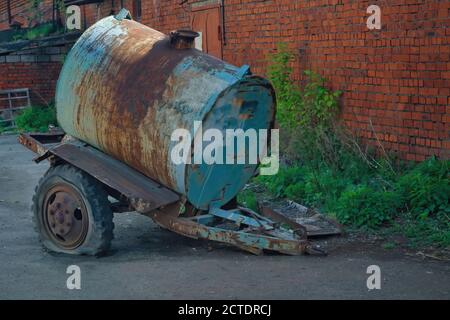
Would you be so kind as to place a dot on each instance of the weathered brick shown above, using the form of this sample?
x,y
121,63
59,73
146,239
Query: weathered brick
x,y
12,58
43,58
27,58
52,50
57,57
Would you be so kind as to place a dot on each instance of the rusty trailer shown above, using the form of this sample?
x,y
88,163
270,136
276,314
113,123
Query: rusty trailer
x,y
123,90
64,207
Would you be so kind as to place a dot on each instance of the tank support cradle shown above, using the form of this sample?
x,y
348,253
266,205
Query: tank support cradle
x,y
240,227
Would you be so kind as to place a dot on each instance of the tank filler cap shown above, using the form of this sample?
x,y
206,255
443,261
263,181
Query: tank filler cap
x,y
183,39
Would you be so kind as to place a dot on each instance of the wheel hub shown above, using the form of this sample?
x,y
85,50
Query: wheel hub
x,y
65,216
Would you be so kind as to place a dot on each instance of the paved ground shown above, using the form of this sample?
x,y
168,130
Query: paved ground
x,y
150,263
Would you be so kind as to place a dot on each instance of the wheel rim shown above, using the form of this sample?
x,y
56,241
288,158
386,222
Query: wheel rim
x,y
65,216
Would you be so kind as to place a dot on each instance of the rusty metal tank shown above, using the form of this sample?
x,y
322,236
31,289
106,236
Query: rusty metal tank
x,y
124,88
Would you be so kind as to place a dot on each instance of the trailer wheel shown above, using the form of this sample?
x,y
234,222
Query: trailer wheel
x,y
71,212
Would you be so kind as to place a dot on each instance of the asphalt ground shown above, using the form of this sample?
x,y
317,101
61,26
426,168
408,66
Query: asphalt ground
x,y
147,262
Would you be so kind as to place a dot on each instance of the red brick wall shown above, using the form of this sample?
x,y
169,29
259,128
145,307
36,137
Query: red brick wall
x,y
17,8
21,11
40,77
396,81
37,69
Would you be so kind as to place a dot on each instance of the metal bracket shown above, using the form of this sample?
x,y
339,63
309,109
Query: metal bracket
x,y
253,233
238,218
123,14
244,71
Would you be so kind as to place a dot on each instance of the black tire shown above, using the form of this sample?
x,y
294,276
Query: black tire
x,y
90,223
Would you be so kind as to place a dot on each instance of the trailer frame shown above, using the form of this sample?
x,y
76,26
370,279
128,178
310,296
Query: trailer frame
x,y
241,227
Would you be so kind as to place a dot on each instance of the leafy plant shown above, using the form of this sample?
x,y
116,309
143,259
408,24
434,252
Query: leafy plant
x,y
306,115
36,32
288,95
365,207
248,199
308,107
427,231
388,245
426,189
39,31
415,199
36,27
36,118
